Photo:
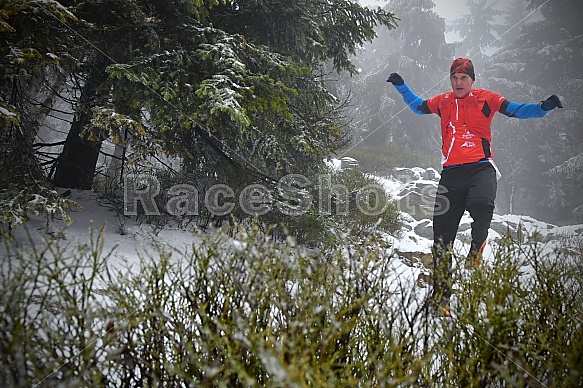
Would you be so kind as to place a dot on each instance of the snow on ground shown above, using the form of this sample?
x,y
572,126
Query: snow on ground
x,y
127,240
414,189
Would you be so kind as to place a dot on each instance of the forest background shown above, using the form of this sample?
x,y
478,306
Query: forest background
x,y
525,51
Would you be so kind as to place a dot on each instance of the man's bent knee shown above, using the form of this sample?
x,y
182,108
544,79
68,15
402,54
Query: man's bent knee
x,y
480,206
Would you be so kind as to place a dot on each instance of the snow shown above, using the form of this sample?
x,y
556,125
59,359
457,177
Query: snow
x,y
127,239
6,112
334,164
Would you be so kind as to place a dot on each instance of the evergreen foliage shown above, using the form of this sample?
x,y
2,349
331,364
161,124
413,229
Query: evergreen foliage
x,y
477,29
364,206
535,155
214,84
32,60
417,50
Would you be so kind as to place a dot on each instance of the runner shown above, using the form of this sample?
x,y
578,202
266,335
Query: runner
x,y
468,178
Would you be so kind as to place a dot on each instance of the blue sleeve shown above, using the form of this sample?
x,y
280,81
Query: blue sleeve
x,y
411,99
522,111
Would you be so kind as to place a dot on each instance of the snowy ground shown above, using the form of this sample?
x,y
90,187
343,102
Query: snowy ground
x,y
126,239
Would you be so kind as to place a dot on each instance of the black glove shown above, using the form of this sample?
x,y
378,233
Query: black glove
x,y
551,103
396,79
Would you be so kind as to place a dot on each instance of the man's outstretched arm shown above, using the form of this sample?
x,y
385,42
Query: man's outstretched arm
x,y
411,99
530,110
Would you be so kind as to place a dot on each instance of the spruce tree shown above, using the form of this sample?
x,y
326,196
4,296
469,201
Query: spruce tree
x,y
477,29
35,58
231,95
540,159
417,50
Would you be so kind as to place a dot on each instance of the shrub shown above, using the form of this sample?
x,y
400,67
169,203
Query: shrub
x,y
240,309
18,202
363,207
381,159
366,206
518,322
52,329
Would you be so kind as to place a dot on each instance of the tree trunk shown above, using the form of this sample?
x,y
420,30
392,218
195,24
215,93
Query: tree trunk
x,y
75,167
76,164
115,166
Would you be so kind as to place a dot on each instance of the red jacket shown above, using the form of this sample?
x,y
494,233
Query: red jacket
x,y
465,124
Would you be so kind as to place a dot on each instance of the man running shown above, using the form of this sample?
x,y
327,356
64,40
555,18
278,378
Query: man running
x,y
468,178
